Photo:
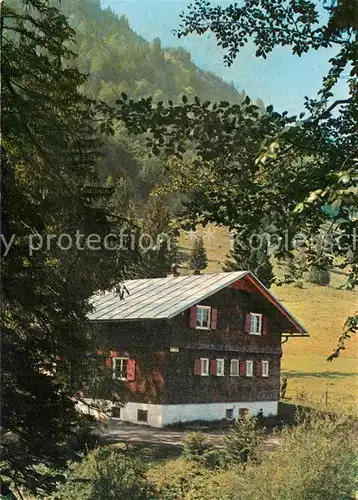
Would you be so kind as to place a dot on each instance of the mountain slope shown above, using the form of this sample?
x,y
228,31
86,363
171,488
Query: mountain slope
x,y
118,60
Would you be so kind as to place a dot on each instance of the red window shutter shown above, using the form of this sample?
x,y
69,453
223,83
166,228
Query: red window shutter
x,y
265,325
197,367
212,369
242,368
258,368
214,318
108,363
193,317
247,322
130,370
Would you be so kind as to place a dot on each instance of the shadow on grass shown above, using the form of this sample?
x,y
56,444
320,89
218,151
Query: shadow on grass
x,y
148,452
293,374
288,412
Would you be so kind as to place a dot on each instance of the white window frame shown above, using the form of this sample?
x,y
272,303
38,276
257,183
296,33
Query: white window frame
x,y
264,371
238,368
204,373
259,316
249,371
114,366
222,372
208,308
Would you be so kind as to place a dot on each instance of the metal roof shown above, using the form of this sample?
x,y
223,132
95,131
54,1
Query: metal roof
x,y
164,298
158,298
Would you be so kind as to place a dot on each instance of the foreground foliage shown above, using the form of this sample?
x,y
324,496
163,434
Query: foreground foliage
x,y
106,473
243,441
316,460
50,188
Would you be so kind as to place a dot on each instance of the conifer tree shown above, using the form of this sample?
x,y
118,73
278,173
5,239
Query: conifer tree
x,y
255,261
157,227
242,443
198,257
50,187
156,217
319,275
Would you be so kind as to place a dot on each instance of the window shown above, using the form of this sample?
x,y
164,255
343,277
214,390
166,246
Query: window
x,y
120,368
265,368
249,368
255,324
116,412
204,366
229,414
203,317
220,367
142,415
234,368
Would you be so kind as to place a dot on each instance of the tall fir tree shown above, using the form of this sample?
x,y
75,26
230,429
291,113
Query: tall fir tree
x,y
198,257
158,230
255,261
50,188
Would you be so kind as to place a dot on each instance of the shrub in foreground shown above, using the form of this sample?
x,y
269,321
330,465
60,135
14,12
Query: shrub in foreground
x,y
319,276
181,479
103,474
243,441
317,461
197,448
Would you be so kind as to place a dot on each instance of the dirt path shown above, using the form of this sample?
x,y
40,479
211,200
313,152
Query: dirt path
x,y
121,432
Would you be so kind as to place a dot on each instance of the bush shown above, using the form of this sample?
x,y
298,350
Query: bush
x,y
183,479
103,474
319,276
243,441
317,461
214,459
195,445
196,448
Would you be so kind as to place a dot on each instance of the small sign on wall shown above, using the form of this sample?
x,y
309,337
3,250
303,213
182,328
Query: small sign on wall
x,y
174,349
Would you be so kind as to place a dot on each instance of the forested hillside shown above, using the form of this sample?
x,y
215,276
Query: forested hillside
x,y
118,60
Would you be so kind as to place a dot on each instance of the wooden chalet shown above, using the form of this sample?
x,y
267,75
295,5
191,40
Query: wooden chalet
x,y
200,347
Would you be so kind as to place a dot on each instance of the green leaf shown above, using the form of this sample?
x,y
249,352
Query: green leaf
x,y
299,208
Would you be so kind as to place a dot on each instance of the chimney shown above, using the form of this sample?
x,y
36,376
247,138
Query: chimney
x,y
174,270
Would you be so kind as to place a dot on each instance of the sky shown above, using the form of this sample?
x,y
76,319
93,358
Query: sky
x,y
282,80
